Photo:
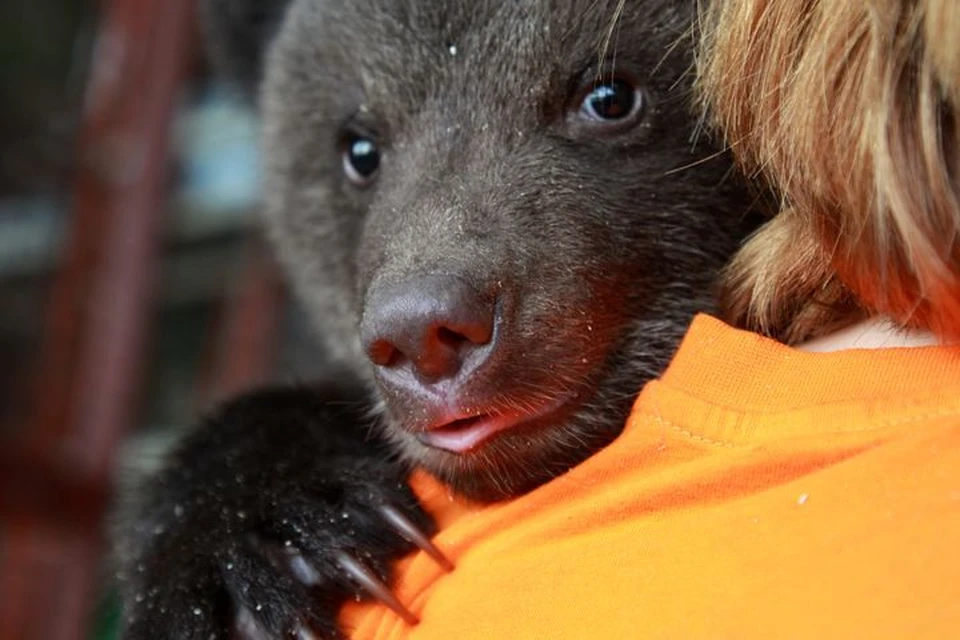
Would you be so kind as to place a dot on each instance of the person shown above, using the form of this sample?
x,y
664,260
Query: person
x,y
795,473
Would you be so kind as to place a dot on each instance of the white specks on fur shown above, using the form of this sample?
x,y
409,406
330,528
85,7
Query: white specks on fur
x,y
452,49
802,499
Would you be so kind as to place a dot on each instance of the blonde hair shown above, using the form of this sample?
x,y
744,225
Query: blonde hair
x,y
850,111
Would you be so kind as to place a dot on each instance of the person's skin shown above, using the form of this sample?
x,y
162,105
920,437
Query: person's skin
x,y
873,333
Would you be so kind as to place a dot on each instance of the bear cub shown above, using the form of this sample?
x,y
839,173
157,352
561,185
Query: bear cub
x,y
501,219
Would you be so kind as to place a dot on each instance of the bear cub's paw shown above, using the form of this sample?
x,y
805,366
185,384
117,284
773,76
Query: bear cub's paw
x,y
267,519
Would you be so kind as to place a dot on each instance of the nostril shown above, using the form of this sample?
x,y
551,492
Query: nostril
x,y
383,354
451,338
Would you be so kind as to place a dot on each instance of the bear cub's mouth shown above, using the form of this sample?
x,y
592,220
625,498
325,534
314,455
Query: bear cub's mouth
x,y
465,434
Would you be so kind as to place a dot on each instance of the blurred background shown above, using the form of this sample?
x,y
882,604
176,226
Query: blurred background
x,y
134,289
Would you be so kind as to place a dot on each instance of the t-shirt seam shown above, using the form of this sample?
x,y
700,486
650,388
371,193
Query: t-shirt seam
x,y
919,398
698,437
941,412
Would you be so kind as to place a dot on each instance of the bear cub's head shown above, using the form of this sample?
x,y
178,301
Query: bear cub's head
x,y
498,212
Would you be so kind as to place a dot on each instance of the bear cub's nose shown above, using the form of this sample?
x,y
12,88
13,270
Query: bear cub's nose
x,y
431,325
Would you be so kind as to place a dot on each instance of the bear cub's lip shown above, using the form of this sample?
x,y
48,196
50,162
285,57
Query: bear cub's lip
x,y
464,434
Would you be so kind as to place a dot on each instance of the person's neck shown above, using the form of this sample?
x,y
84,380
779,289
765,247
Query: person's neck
x,y
872,333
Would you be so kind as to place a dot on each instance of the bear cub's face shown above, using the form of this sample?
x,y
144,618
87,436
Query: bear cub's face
x,y
498,212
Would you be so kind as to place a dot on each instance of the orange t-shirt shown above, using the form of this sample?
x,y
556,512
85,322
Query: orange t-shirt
x,y
757,492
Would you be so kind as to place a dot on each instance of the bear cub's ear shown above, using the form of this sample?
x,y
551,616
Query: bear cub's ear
x,y
237,33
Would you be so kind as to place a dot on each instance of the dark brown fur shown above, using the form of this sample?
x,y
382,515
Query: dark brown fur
x,y
597,245
601,245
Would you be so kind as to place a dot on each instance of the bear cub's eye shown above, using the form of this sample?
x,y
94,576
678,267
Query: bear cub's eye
x,y
611,103
361,159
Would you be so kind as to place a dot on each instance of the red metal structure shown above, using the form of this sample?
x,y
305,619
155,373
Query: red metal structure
x,y
55,478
